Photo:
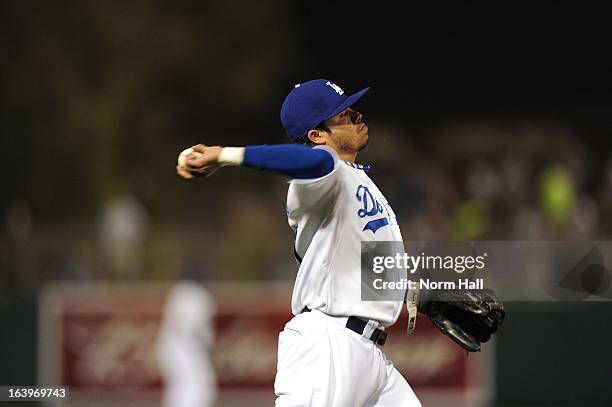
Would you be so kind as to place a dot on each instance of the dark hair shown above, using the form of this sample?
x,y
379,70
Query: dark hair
x,y
305,140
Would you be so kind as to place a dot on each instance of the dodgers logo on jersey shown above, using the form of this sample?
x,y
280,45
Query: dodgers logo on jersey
x,y
371,207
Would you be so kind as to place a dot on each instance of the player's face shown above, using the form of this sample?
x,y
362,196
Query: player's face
x,y
349,134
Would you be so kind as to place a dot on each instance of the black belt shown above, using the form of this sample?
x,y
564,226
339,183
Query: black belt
x,y
357,325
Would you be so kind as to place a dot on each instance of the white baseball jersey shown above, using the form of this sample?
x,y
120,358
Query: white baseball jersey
x,y
183,347
330,217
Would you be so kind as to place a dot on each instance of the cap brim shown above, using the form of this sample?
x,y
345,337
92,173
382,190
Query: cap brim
x,y
351,100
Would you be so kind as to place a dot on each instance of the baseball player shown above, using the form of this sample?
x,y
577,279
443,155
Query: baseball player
x,y
329,353
185,341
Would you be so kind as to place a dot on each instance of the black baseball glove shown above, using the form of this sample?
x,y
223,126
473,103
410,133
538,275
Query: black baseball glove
x,y
468,317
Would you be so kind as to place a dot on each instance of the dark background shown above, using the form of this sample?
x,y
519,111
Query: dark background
x,y
97,99
222,71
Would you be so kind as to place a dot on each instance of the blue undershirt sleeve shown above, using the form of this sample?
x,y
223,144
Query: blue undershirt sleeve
x,y
292,160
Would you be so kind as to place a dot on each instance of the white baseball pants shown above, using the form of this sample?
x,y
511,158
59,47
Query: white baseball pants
x,y
321,363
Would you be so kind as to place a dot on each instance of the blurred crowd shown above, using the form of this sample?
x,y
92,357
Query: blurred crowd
x,y
486,182
461,182
103,114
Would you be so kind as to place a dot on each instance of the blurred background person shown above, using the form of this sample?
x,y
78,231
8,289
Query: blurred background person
x,y
123,228
185,342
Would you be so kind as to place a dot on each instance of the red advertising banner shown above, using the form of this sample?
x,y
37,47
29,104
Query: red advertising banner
x,y
100,340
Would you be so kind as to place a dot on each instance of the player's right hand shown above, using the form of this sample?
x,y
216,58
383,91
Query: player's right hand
x,y
184,173
206,163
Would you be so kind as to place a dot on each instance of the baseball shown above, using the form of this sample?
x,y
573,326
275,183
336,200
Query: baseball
x,y
182,158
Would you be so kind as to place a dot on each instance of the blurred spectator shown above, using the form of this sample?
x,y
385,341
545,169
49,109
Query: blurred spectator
x,y
436,197
482,179
557,195
470,220
19,221
528,224
124,225
19,226
585,218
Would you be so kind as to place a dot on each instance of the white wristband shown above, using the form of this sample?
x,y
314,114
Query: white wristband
x,y
231,156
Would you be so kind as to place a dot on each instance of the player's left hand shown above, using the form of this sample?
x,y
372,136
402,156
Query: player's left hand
x,y
468,317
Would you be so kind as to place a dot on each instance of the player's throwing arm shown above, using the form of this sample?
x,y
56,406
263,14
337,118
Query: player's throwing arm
x,y
295,161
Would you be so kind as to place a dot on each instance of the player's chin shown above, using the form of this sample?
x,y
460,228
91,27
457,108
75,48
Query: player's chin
x,y
364,142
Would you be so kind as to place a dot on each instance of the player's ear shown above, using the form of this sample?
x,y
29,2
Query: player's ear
x,y
316,137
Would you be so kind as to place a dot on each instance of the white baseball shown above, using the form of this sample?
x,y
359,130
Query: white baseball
x,y
182,158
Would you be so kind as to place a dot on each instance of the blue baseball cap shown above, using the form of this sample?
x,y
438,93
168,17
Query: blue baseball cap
x,y
312,102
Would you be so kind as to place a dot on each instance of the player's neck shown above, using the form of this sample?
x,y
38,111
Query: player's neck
x,y
349,157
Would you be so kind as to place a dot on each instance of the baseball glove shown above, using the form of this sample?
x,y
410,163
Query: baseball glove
x,y
468,317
